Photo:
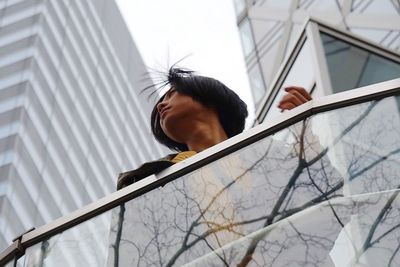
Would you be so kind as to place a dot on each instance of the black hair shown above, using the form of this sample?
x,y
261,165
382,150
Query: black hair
x,y
231,110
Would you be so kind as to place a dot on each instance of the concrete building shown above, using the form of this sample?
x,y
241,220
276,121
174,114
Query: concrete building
x,y
71,116
269,29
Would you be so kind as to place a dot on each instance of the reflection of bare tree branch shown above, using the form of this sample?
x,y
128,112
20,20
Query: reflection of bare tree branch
x,y
343,133
320,198
308,239
130,242
219,256
252,247
203,211
189,224
275,211
384,234
118,235
383,158
326,197
201,237
393,255
195,223
302,164
382,213
44,249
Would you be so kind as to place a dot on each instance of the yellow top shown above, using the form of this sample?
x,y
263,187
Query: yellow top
x,y
182,156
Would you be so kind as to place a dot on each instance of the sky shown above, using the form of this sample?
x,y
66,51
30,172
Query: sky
x,y
203,31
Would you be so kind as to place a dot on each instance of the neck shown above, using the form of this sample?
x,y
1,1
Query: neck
x,y
206,135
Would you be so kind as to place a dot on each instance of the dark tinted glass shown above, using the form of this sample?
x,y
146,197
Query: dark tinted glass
x,y
352,67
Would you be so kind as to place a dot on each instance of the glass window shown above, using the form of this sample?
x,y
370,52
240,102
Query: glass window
x,y
316,6
301,74
240,6
268,37
281,4
246,36
257,85
372,34
9,129
378,7
387,38
293,38
352,67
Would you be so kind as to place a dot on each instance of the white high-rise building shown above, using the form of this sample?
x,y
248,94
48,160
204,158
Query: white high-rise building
x,y
71,116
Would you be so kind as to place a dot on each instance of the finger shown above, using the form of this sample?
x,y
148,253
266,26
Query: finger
x,y
299,89
287,106
294,87
298,95
291,98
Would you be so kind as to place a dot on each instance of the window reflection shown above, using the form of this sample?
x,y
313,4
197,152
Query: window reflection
x,y
352,67
247,37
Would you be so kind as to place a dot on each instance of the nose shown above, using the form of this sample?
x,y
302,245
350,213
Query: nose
x,y
161,105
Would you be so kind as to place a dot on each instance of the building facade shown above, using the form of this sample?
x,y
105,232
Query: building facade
x,y
269,29
71,113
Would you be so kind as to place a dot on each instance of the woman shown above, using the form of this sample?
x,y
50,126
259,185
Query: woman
x,y
196,113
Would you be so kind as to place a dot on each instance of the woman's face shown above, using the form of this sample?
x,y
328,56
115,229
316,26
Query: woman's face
x,y
177,114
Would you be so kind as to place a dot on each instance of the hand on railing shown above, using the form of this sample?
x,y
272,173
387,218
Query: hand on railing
x,y
295,97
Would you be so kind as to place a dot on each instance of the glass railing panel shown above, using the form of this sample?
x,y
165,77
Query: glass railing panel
x,y
367,153
83,245
343,152
350,231
352,67
16,262
218,211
